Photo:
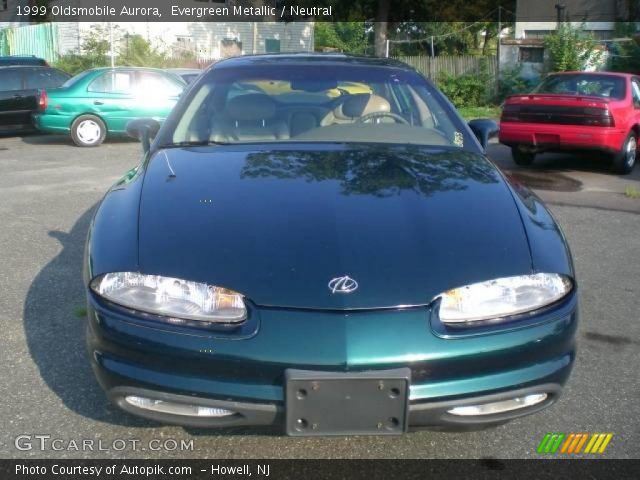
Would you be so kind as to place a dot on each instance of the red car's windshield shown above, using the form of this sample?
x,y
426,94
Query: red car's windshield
x,y
607,86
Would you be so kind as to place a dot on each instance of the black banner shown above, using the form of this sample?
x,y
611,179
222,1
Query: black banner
x,y
288,11
392,11
317,469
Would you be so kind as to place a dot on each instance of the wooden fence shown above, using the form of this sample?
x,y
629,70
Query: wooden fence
x,y
434,67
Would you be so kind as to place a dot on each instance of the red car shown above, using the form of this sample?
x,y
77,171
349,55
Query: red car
x,y
575,111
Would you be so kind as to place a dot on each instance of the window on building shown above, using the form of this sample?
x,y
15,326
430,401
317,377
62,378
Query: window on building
x,y
531,55
272,45
3,5
537,33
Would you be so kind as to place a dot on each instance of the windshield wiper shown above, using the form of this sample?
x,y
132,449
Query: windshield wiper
x,y
191,143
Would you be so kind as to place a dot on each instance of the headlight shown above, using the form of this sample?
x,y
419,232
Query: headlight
x,y
171,297
502,297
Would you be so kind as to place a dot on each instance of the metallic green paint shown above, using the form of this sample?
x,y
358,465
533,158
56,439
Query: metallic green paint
x,y
65,104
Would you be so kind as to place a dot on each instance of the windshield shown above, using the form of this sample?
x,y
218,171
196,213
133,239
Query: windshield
x,y
300,103
596,85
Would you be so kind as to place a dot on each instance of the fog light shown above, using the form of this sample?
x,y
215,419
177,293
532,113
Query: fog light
x,y
499,407
174,408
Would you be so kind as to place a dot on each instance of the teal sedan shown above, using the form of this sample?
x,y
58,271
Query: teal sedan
x,y
100,102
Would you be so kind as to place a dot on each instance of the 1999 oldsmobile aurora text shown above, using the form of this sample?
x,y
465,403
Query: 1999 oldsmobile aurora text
x,y
319,242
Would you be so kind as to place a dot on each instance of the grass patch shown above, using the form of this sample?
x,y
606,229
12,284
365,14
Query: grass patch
x,y
469,113
80,312
632,192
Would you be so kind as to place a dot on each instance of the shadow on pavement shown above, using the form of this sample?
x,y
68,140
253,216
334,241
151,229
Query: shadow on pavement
x,y
55,139
56,335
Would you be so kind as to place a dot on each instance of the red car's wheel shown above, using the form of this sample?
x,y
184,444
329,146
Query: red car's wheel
x,y
522,157
625,160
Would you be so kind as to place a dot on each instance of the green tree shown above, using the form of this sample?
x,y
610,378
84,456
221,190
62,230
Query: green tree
x,y
571,48
95,53
136,51
348,37
625,54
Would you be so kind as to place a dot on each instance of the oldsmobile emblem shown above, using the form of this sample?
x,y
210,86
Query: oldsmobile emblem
x,y
344,284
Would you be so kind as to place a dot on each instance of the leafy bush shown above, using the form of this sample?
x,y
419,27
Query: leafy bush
x,y
571,48
133,50
511,82
74,63
471,89
625,55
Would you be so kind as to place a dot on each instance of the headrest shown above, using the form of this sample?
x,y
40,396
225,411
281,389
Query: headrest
x,y
363,104
251,106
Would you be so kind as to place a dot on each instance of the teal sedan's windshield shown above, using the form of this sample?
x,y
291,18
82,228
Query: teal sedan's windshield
x,y
301,103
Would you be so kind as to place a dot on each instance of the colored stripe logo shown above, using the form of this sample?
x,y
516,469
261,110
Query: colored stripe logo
x,y
573,443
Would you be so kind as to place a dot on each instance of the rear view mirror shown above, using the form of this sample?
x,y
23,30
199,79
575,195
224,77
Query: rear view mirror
x,y
143,129
484,129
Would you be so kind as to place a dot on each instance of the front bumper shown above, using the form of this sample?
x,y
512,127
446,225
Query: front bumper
x,y
551,137
245,374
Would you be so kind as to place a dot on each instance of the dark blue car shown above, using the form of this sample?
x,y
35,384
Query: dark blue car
x,y
319,242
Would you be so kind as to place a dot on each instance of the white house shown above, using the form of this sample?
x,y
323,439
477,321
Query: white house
x,y
537,19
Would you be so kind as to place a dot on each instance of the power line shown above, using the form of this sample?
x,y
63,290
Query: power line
x,y
444,35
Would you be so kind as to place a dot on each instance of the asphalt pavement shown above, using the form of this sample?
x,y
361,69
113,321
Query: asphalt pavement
x,y
48,190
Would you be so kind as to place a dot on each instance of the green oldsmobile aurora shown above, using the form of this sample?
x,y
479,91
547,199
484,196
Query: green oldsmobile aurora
x,y
98,103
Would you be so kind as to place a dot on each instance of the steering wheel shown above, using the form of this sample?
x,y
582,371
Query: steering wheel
x,y
374,115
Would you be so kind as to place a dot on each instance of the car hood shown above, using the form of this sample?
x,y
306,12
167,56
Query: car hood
x,y
278,223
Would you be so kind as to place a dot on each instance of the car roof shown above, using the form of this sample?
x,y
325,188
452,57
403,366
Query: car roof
x,y
184,70
581,72
324,59
141,69
11,60
25,67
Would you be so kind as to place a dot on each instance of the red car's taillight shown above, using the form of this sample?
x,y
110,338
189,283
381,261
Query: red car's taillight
x,y
599,117
43,101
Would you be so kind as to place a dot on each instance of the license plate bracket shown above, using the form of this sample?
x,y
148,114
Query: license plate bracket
x,y
347,403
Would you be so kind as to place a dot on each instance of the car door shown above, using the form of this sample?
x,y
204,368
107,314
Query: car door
x,y
155,94
110,96
635,99
15,110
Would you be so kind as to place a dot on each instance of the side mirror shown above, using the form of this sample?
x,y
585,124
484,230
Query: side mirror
x,y
143,129
484,129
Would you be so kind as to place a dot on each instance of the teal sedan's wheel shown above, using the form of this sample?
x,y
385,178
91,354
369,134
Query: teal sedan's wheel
x,y
88,131
625,160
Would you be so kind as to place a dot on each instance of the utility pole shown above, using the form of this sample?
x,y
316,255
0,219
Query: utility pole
x,y
113,53
560,13
498,49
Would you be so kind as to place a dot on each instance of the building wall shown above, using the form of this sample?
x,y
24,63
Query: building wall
x,y
577,10
204,39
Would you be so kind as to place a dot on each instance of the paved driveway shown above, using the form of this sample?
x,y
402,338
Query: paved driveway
x,y
48,190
